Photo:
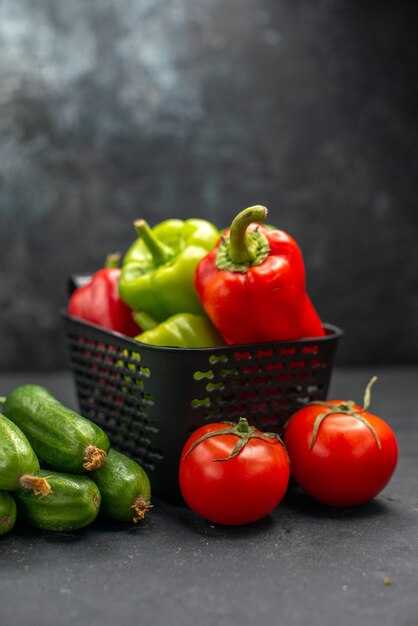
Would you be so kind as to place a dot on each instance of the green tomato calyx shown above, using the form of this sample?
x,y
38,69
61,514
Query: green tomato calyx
x,y
345,408
243,431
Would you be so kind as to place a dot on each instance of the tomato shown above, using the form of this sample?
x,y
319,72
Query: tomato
x,y
233,474
340,454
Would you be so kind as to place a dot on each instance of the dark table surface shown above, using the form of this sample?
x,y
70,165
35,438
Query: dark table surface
x,y
304,564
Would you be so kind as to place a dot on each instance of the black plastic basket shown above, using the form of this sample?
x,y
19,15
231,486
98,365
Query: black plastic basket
x,y
149,399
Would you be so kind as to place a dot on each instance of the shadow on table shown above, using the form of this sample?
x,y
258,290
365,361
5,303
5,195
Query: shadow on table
x,y
179,518
301,503
189,522
101,525
32,534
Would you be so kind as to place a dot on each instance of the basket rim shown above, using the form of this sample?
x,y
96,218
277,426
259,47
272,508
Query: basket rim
x,y
333,333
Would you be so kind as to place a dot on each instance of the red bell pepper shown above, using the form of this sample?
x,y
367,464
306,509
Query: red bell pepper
x,y
98,301
252,285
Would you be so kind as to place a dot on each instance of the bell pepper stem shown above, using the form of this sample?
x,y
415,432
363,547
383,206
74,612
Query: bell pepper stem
x,y
144,321
242,248
112,260
160,252
2,400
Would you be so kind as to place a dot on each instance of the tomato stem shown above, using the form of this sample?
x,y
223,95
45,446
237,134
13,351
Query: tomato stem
x,y
346,408
368,393
243,431
243,425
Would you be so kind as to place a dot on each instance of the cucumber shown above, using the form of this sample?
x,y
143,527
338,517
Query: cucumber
x,y
124,487
7,512
60,437
18,463
73,503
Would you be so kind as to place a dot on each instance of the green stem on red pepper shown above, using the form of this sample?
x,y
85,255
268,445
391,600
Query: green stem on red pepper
x,y
257,269
242,248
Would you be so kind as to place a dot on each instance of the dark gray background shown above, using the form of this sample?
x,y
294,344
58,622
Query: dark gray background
x,y
115,109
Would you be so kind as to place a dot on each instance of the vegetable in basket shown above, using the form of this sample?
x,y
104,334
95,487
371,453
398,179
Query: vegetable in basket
x,y
252,285
158,270
60,437
183,330
99,302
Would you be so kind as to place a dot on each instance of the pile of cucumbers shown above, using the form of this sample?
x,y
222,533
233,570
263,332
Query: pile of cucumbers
x,y
80,475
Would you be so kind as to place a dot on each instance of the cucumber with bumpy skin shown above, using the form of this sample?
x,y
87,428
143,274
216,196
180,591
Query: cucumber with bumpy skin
x,y
19,467
60,437
7,512
73,503
124,487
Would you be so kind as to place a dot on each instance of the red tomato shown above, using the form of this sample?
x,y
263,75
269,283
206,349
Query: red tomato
x,y
242,489
349,461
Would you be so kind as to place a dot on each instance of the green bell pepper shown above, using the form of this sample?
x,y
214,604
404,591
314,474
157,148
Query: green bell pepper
x,y
183,330
158,269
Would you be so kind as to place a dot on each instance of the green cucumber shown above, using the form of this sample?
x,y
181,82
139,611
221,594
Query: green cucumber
x,y
124,487
19,467
73,503
7,512
60,437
